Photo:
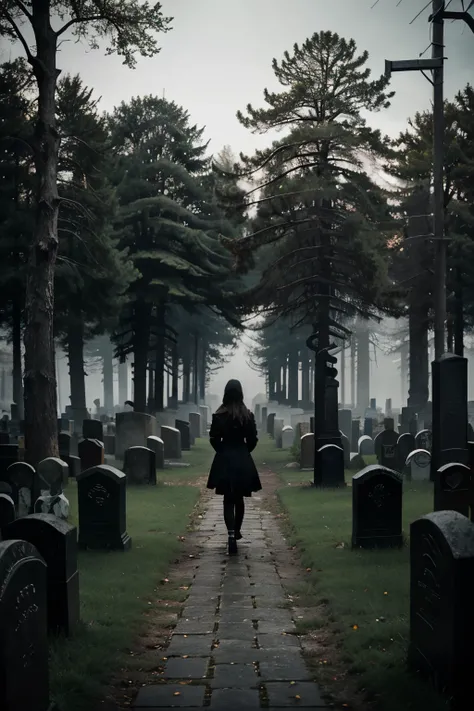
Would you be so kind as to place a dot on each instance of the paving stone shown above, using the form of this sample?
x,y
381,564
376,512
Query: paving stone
x,y
163,695
236,630
194,627
273,614
283,695
291,668
199,610
234,700
237,614
274,641
265,627
235,676
192,668
195,644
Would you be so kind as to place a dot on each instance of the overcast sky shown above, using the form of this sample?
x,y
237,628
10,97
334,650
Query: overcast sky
x,y
217,59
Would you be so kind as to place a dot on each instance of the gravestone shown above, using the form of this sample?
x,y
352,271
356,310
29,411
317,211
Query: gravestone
x,y
195,424
388,407
452,488
204,412
366,446
258,414
368,427
307,451
346,446
56,542
287,437
171,442
264,418
91,453
377,508
386,448
156,444
449,377
417,465
345,422
132,430
277,431
109,444
74,464
93,429
184,429
408,421
139,465
405,445
355,435
51,474
373,403
271,424
357,463
423,440
330,467
23,478
64,443
389,423
24,670
101,494
7,510
441,609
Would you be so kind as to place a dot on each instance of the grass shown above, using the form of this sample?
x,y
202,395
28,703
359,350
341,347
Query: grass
x,y
117,589
365,593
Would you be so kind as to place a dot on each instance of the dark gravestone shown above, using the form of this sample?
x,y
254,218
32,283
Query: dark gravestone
x,y
271,424
109,444
157,445
93,429
23,479
452,488
408,421
329,470
389,423
355,434
357,463
24,673
139,465
368,426
449,412
264,418
386,448
64,442
365,446
373,403
101,493
56,542
52,473
91,453
377,508
345,422
63,424
311,424
74,464
185,430
405,445
7,510
441,609
423,440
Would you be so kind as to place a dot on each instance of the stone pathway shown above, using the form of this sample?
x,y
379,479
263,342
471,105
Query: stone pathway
x,y
234,646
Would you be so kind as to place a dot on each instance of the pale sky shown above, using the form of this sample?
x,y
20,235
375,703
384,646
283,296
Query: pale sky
x,y
217,59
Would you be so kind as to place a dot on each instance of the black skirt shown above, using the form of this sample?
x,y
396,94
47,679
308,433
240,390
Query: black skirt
x,y
233,471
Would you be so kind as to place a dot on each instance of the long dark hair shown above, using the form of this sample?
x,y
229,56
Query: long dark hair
x,y
233,402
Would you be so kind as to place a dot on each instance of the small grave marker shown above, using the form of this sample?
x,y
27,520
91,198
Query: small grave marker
x,y
377,508
139,464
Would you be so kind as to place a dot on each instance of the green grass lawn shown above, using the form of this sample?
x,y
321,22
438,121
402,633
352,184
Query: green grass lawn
x,y
116,589
366,592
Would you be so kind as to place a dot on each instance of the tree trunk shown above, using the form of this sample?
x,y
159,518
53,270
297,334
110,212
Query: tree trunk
x,y
363,369
108,374
41,424
305,389
186,375
202,374
174,377
284,381
123,382
160,359
196,370
17,365
151,389
459,321
75,348
418,393
353,370
141,341
293,378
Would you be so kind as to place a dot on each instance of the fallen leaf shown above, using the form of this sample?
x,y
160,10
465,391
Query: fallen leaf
x,y
177,693
298,697
292,683
385,593
355,627
308,570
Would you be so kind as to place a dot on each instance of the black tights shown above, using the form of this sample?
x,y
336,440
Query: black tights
x,y
234,509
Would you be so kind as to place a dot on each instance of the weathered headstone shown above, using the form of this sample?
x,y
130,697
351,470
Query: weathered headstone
x,y
386,448
195,424
156,444
423,440
377,508
368,427
452,488
277,430
366,446
139,465
132,430
204,412
172,442
441,609
51,475
355,435
74,464
405,445
330,467
56,542
64,442
357,463
287,437
101,493
24,671
417,465
7,510
271,424
93,429
184,429
307,451
91,453
264,418
22,477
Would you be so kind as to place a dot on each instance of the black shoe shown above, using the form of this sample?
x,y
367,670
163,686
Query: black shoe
x,y
232,545
238,536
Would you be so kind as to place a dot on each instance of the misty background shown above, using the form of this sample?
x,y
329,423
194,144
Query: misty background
x,y
217,59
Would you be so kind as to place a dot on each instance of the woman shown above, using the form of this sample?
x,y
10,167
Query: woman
x,y
233,472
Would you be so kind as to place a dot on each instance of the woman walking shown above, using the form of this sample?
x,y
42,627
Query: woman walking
x,y
233,472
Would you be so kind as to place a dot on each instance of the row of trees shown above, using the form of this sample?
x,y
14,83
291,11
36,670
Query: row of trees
x,y
342,227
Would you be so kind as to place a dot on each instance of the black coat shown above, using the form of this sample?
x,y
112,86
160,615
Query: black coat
x,y
233,470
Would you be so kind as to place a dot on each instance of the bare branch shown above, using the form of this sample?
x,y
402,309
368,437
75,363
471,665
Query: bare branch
x,y
19,35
